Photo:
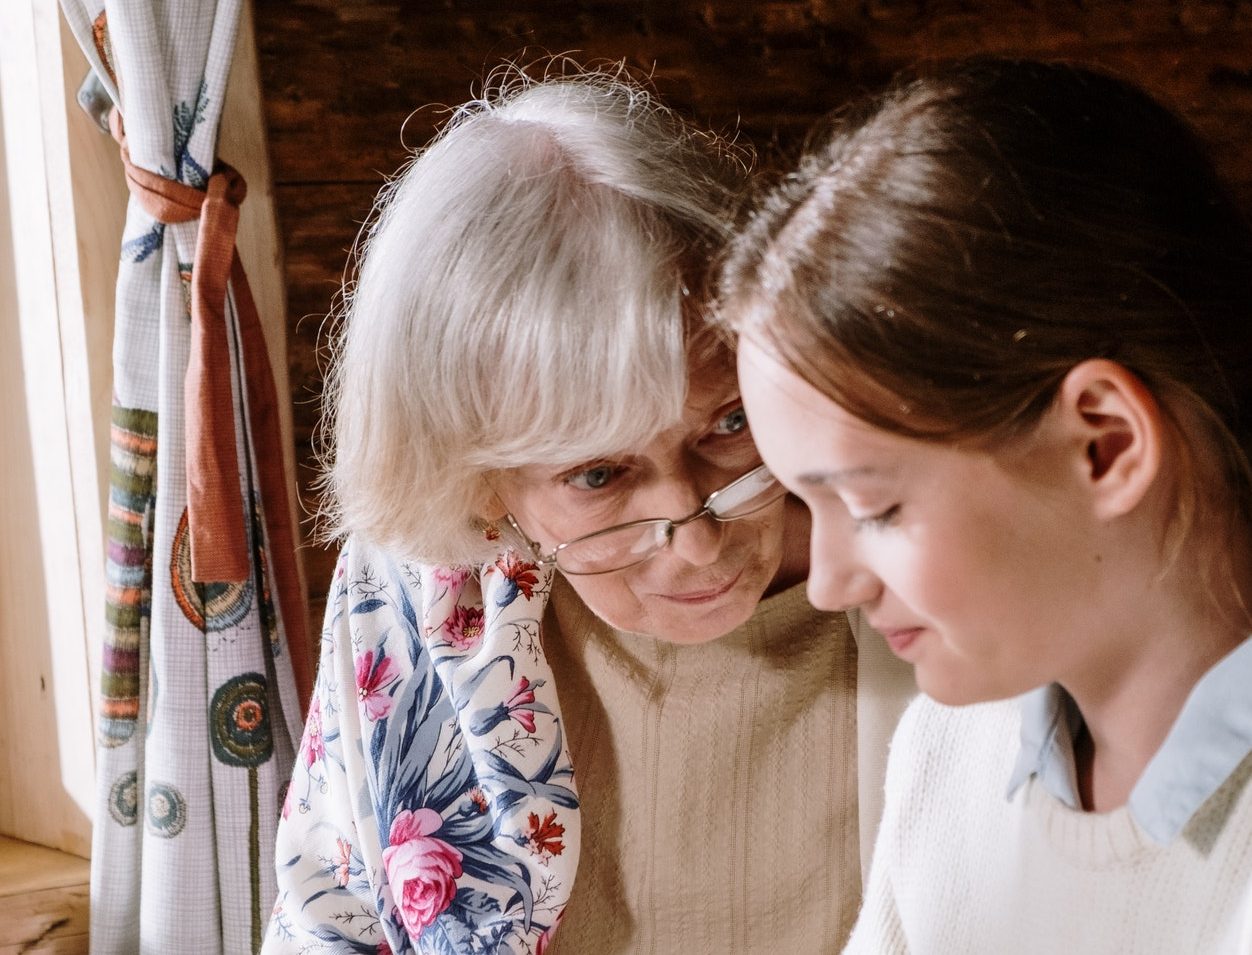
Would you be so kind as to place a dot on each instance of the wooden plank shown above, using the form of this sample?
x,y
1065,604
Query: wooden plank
x,y
46,748
341,79
44,896
48,920
26,867
71,945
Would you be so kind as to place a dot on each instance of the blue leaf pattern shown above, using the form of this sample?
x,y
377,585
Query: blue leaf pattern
x,y
432,808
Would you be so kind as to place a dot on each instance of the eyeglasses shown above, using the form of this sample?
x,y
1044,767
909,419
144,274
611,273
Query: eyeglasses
x,y
624,545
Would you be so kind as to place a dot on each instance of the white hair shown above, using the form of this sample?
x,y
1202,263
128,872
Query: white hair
x,y
521,298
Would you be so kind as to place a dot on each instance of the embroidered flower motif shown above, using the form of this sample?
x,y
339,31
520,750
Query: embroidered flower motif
x,y
523,694
372,682
313,746
464,627
343,861
479,799
521,575
422,870
544,838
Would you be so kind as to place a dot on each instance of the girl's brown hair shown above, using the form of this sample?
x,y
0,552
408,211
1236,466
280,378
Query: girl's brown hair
x,y
963,241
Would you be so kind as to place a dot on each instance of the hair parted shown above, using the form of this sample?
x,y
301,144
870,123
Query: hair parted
x,y
524,292
964,240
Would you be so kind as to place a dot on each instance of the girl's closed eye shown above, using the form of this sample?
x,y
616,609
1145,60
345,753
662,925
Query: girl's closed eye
x,y
885,518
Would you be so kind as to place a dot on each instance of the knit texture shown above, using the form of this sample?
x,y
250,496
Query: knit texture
x,y
960,868
719,783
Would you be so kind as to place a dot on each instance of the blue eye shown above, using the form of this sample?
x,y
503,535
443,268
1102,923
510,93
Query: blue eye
x,y
878,521
592,479
735,422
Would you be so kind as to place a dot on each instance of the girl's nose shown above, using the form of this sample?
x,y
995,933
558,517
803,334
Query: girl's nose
x,y
837,579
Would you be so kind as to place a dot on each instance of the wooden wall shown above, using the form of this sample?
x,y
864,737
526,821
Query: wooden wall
x,y
347,83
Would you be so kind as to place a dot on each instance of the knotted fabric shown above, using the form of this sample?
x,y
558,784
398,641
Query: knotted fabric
x,y
216,514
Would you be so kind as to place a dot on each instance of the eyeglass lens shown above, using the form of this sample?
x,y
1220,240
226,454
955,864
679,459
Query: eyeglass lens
x,y
620,547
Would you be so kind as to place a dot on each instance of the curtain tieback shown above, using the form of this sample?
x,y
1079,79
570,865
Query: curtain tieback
x,y
215,511
216,516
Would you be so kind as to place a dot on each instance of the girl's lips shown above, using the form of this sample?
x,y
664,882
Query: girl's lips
x,y
901,639
704,596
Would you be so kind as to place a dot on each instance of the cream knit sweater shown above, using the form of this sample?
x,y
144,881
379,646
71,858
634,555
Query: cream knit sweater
x,y
959,869
719,783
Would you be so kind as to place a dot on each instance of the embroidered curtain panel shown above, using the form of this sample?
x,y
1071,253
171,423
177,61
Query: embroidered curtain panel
x,y
205,671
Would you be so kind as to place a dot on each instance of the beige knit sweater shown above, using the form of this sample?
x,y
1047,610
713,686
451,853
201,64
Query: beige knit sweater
x,y
719,782
960,868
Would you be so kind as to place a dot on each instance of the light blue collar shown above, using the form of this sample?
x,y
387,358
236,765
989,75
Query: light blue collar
x,y
1210,738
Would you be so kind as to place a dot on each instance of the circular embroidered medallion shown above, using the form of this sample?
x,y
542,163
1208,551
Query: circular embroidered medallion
x,y
167,810
124,799
239,721
210,607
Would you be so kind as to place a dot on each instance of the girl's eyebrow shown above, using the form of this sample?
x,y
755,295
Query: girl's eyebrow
x,y
836,478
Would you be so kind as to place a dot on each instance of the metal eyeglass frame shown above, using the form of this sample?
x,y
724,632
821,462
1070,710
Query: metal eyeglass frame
x,y
709,507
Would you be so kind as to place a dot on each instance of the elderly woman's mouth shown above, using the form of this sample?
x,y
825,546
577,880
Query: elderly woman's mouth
x,y
705,594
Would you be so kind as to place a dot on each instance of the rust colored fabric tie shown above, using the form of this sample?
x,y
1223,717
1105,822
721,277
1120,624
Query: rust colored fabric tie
x,y
216,515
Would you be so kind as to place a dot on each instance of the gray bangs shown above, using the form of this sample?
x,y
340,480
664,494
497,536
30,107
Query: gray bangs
x,y
591,394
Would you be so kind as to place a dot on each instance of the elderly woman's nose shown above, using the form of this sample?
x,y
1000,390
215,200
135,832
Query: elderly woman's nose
x,y
838,580
699,542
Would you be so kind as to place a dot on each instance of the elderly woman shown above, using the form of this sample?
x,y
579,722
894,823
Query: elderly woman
x,y
562,551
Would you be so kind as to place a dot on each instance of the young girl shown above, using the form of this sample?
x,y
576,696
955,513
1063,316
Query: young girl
x,y
998,335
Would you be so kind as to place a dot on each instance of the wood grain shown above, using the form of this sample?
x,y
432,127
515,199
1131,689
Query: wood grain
x,y
44,898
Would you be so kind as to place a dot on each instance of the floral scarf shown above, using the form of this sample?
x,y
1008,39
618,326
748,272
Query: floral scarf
x,y
432,808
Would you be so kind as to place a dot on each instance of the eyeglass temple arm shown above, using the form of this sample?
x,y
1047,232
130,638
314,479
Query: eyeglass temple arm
x,y
546,560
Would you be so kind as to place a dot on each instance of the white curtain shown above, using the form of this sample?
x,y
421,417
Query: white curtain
x,y
202,694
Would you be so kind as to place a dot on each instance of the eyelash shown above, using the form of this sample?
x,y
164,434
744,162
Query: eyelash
x,y
878,521
722,420
614,473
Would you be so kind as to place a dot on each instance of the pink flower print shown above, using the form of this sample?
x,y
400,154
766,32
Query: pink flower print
x,y
384,948
544,838
287,801
452,577
372,682
422,870
465,627
523,694
313,746
343,861
479,799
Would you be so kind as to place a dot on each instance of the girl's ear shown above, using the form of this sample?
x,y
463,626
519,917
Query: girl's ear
x,y
1117,432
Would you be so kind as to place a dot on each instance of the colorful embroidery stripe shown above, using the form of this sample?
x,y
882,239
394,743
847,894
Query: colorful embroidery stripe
x,y
127,569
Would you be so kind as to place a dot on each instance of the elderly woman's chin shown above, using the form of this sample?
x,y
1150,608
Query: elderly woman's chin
x,y
670,599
